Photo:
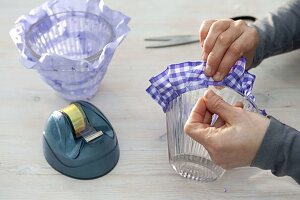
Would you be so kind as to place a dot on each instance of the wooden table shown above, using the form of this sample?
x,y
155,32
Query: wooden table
x,y
143,171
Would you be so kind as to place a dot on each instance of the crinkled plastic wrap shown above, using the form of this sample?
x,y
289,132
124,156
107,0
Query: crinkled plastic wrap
x,y
70,43
176,90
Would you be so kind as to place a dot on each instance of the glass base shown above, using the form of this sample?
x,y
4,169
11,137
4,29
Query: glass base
x,y
196,168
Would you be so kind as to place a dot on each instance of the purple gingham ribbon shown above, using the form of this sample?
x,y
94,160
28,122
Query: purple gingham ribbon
x,y
183,77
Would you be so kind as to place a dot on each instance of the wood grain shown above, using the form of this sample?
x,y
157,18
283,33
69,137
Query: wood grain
x,y
143,171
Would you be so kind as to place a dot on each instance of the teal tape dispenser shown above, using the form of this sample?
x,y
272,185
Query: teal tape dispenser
x,y
80,142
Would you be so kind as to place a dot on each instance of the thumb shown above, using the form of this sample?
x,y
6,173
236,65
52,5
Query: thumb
x,y
217,105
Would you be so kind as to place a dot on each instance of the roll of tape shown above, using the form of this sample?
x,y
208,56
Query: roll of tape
x,y
77,117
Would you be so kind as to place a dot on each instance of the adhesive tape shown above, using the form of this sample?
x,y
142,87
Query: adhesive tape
x,y
76,116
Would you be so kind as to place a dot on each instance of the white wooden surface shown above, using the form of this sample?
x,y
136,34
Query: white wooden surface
x,y
143,171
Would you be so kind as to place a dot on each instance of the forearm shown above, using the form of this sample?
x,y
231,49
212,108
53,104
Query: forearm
x,y
280,151
279,32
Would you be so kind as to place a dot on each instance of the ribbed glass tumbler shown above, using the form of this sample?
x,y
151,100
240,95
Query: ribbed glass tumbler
x,y
187,157
79,37
76,35
70,44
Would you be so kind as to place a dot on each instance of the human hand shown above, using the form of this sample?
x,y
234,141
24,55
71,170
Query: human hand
x,y
224,42
235,137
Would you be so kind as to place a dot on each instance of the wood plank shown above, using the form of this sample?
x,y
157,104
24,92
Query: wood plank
x,y
143,171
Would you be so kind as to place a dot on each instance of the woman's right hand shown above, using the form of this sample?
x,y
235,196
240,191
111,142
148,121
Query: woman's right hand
x,y
232,141
224,42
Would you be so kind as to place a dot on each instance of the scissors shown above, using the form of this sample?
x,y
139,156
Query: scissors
x,y
176,40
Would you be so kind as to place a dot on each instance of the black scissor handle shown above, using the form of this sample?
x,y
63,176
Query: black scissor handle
x,y
244,17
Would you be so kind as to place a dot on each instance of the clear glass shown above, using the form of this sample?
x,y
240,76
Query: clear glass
x,y
187,157
74,85
76,35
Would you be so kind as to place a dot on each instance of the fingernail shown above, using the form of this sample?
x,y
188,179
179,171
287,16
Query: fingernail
x,y
207,70
209,93
218,76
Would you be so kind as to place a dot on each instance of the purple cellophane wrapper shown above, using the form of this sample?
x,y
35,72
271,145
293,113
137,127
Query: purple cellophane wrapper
x,y
70,43
188,76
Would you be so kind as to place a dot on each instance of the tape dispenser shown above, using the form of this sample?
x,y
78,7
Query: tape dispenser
x,y
80,142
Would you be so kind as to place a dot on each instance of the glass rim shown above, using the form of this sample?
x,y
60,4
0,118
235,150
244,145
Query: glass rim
x,y
40,21
210,86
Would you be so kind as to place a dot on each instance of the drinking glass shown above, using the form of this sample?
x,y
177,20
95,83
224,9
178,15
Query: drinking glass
x,y
187,157
72,42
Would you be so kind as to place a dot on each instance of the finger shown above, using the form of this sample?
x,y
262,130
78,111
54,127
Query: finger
x,y
197,125
207,117
239,104
198,112
215,30
220,122
204,28
237,49
217,105
223,42
201,133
